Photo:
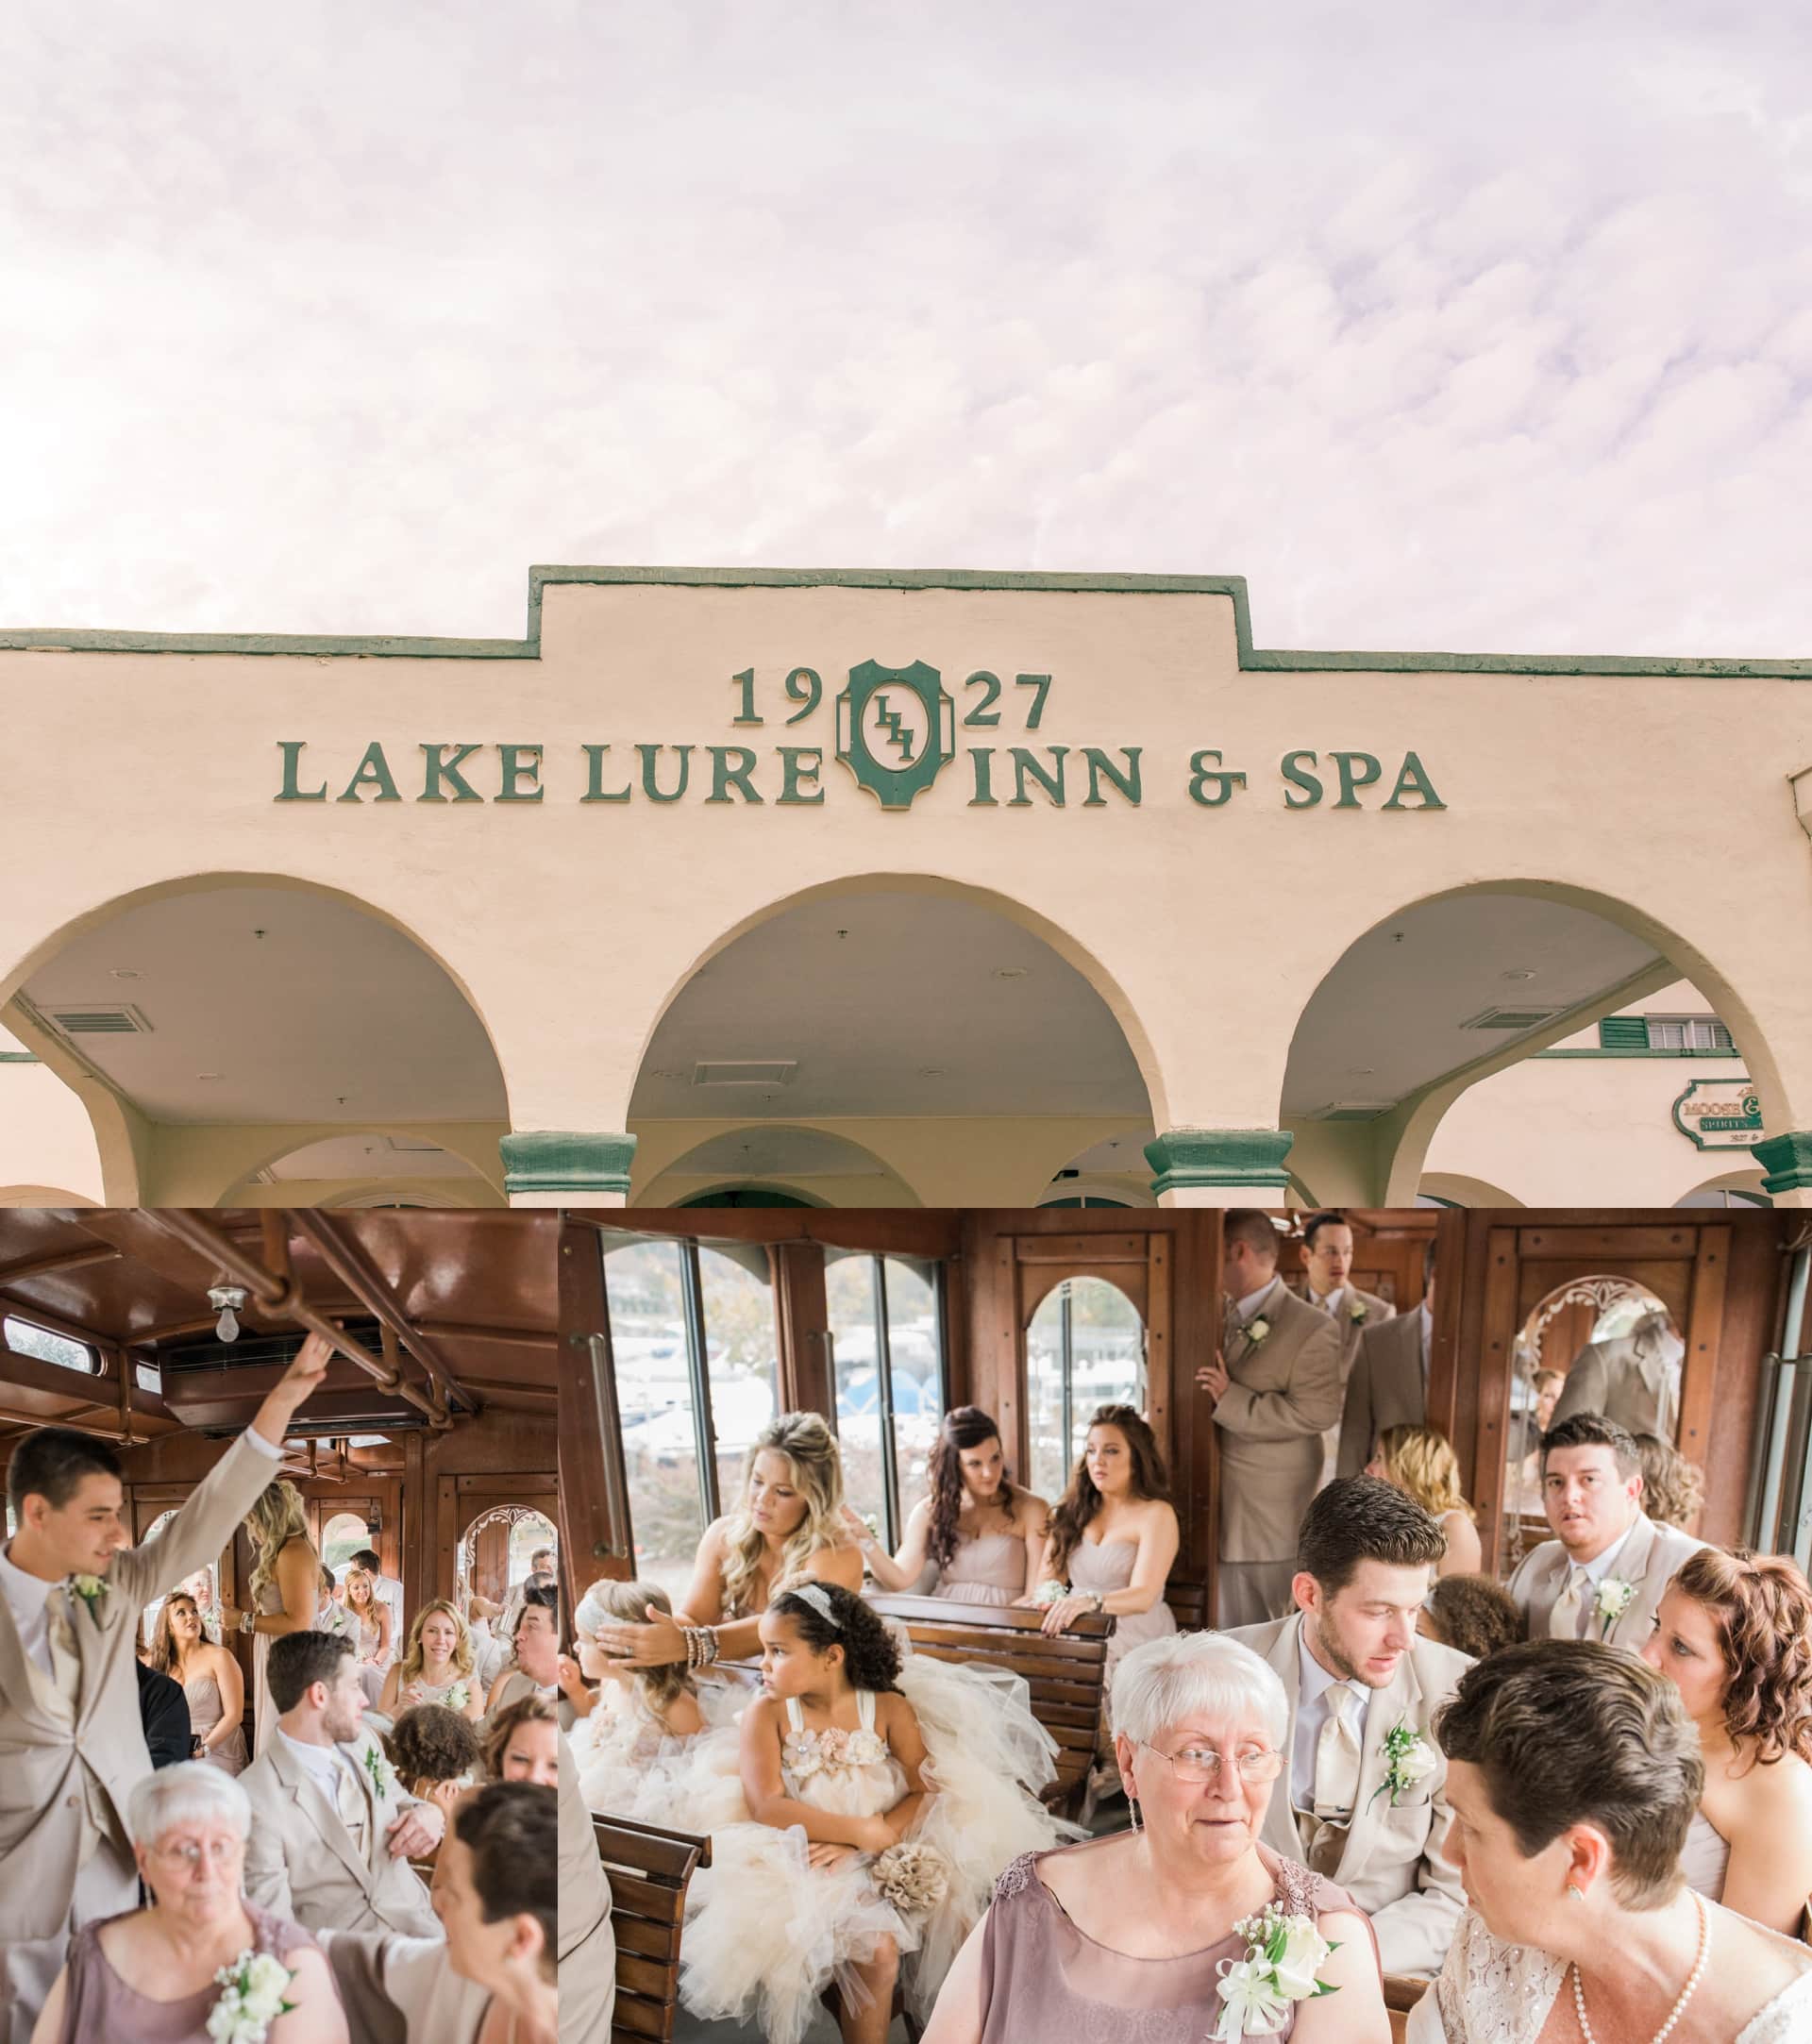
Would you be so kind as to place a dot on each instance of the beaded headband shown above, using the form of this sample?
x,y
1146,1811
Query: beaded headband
x,y
812,1594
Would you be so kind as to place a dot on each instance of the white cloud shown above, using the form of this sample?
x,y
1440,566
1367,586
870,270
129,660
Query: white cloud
x,y
1472,328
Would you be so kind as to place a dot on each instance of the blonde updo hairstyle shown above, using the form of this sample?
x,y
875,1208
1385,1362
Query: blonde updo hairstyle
x,y
1422,1462
278,1517
814,1468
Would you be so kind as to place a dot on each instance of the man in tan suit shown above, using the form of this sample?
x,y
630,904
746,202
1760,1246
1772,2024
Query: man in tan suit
x,y
71,1746
1633,1380
1327,1273
333,1827
1276,1387
1603,1574
1358,1680
1388,1386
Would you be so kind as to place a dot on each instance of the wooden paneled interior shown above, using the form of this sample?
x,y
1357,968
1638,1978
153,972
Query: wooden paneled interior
x,y
1721,1272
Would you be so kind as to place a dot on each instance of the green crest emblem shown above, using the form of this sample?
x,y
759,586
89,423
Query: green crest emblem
x,y
896,730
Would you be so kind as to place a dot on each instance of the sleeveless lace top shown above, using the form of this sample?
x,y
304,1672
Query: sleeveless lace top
x,y
1043,1977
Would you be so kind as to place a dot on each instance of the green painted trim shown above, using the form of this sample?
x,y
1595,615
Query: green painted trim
x,y
1252,659
1787,1161
20,1057
1730,1056
553,1161
1252,1158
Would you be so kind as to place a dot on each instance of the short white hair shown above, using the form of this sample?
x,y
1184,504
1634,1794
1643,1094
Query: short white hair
x,y
1205,1676
192,1792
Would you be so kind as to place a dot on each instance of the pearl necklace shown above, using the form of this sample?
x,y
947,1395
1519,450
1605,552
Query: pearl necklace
x,y
1693,1979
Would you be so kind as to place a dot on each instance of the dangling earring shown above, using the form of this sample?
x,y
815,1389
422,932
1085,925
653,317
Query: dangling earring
x,y
1133,1811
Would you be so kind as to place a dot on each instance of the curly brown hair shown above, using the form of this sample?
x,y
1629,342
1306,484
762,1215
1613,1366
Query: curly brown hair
x,y
525,1710
430,1743
1761,1607
964,1426
1673,1489
1474,1613
1071,1514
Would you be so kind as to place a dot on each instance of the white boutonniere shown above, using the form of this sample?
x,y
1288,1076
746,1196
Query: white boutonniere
x,y
378,1769
1613,1599
92,1590
256,1994
1408,1759
1283,1953
1358,1311
1256,1330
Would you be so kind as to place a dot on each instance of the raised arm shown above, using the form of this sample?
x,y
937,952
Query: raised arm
x,y
764,1790
1309,1404
898,1571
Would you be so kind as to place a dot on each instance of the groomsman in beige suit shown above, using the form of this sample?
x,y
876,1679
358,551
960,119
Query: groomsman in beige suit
x,y
1388,1386
1360,1682
1602,1575
1276,1388
333,1827
1634,1379
1327,1283
72,1747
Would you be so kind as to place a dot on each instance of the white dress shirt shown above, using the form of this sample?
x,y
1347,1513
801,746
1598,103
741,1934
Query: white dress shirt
x,y
26,1594
1330,1305
324,1764
1314,1702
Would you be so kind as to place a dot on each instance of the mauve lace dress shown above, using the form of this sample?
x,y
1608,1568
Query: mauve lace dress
x,y
1041,1977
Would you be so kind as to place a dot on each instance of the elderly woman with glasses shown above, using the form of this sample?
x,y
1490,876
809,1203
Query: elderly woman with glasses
x,y
1186,1927
152,1975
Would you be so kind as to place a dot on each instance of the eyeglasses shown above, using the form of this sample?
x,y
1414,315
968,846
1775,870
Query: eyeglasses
x,y
1201,1764
219,1853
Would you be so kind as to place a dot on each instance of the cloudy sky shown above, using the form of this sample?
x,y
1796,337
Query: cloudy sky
x,y
1484,327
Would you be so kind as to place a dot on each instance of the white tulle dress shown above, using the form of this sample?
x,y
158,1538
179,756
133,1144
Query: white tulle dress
x,y
766,1934
631,1765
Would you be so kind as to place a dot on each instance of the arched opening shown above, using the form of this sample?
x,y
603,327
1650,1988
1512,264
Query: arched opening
x,y
1509,1032
1738,1189
1458,1189
1084,1347
943,1030
1111,1173
810,1167
226,1010
369,1167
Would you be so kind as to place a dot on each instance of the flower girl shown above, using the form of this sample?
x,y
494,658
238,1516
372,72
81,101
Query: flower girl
x,y
635,1749
886,1797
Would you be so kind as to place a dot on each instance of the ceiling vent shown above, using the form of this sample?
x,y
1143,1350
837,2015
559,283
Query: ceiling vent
x,y
1353,1110
1511,1018
99,1021
747,1072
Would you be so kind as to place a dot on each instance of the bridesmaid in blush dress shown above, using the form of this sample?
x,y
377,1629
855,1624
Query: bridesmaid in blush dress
x,y
210,1682
1113,1540
976,1526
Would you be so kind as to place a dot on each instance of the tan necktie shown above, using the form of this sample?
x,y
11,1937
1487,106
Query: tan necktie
x,y
65,1661
1564,1619
1336,1756
352,1805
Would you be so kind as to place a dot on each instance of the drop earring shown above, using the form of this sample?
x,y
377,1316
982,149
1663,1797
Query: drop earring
x,y
1133,1811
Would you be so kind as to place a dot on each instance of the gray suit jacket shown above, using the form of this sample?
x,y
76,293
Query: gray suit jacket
x,y
1649,1560
1391,1863
57,1779
1285,1391
1384,1390
301,1861
587,1942
1377,1312
1641,1393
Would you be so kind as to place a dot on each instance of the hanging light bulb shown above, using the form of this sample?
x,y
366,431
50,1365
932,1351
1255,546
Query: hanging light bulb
x,y
227,1297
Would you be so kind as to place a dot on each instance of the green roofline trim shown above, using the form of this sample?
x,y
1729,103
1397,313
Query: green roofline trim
x,y
1252,658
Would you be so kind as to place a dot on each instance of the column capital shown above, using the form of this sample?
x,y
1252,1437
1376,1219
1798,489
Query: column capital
x,y
1220,1166
561,1167
1787,1161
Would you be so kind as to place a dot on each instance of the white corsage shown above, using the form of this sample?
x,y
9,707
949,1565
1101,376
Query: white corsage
x,y
1408,1759
256,1994
1358,1311
1256,1330
378,1769
1283,1953
91,1589
1613,1599
458,1697
1050,1593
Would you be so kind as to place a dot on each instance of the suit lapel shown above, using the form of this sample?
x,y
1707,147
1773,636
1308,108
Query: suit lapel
x,y
89,1650
16,1678
313,1801
367,1788
1388,1709
1632,1566
1279,1819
